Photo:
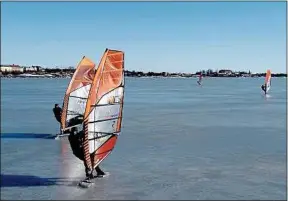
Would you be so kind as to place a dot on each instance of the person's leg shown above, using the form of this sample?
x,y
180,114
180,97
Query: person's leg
x,y
58,118
76,147
88,171
99,171
61,132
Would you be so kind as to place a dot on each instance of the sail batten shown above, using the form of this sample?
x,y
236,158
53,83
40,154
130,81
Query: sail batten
x,y
92,122
78,97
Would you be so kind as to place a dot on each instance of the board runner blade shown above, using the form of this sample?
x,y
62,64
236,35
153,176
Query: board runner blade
x,y
88,183
85,184
58,136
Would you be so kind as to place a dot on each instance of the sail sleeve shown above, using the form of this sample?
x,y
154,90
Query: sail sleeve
x,y
76,95
103,114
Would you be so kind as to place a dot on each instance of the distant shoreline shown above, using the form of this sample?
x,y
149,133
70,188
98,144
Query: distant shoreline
x,y
159,77
68,73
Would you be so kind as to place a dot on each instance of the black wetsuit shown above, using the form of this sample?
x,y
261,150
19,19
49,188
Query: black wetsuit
x,y
76,142
76,138
57,112
263,87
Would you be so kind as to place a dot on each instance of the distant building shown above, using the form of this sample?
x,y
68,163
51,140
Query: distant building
x,y
225,72
39,68
246,75
33,68
30,69
11,68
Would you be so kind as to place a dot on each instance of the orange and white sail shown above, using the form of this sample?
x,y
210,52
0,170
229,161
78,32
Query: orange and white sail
x,y
76,95
268,80
103,114
200,78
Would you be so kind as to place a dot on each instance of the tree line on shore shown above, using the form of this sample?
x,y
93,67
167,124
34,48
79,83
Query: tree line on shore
x,y
208,73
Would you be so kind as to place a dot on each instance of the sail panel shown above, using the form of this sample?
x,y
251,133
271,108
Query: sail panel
x,y
77,102
107,126
105,149
78,99
95,144
76,95
105,116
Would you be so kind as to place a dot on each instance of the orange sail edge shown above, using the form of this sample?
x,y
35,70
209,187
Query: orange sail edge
x,y
82,76
109,76
268,76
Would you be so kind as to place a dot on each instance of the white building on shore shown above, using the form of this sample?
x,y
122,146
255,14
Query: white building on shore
x,y
30,69
16,68
11,68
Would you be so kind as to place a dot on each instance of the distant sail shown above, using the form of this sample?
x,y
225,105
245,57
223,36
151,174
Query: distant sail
x,y
103,114
268,80
76,95
200,79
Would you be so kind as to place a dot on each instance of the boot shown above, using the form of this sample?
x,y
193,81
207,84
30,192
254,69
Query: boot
x,y
100,173
89,173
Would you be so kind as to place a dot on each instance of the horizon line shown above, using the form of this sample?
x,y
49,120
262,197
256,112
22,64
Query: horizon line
x,y
214,70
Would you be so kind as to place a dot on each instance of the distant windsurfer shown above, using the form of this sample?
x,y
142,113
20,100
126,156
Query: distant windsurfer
x,y
200,79
76,142
263,87
57,112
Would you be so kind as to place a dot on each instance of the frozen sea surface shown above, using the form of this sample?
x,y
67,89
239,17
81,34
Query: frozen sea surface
x,y
224,140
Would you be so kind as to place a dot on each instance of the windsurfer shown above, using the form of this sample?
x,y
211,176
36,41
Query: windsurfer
x,y
76,138
263,87
57,112
200,78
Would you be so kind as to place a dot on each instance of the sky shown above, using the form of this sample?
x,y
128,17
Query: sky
x,y
155,36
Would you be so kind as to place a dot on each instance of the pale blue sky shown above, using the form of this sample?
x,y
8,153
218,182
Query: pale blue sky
x,y
156,36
